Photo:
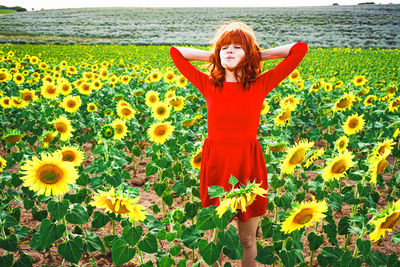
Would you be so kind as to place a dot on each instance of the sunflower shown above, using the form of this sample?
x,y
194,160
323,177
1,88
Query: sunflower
x,y
85,88
240,198
103,74
48,79
368,100
345,102
396,132
295,156
177,102
71,103
47,137
294,76
125,79
120,129
63,127
353,124
283,117
328,87
161,111
12,136
120,203
48,175
189,122
33,60
342,143
72,154
394,104
170,94
303,215
3,163
97,84
155,76
126,112
65,87
181,81
313,157
169,77
316,86
336,167
338,84
5,102
264,108
196,159
386,220
160,132
151,98
289,102
107,132
300,85
28,95
50,91
108,112
359,80
377,166
18,78
18,102
91,107
381,148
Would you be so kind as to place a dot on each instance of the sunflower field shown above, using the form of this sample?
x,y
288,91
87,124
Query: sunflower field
x,y
101,149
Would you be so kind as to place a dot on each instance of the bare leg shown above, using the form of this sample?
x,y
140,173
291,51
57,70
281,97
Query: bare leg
x,y
247,234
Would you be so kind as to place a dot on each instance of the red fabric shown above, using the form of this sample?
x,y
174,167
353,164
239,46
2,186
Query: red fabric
x,y
231,147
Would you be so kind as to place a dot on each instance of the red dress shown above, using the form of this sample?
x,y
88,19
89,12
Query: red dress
x,y
231,147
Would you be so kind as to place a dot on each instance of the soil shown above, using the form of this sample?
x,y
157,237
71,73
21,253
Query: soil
x,y
52,258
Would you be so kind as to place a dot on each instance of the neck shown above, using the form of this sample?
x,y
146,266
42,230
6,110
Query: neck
x,y
230,76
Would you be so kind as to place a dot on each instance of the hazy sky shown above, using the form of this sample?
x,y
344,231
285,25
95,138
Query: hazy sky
x,y
46,4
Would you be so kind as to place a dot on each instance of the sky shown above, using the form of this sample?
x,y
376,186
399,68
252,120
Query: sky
x,y
46,4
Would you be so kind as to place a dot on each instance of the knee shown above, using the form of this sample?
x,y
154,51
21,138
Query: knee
x,y
248,241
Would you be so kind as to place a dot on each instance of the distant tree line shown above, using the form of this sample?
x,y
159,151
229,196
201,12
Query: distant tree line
x,y
17,8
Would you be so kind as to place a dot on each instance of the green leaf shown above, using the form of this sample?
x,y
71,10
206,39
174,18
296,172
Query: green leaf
x,y
233,180
331,232
168,199
132,234
209,251
266,226
288,258
58,209
229,238
215,191
148,244
314,241
343,226
234,254
396,238
72,250
175,250
93,242
265,255
99,219
121,252
77,215
191,209
109,240
6,260
24,261
151,169
225,219
364,246
191,236
10,243
165,261
205,219
49,232
159,188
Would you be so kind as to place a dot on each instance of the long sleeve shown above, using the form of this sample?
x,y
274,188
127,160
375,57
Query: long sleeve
x,y
274,76
196,77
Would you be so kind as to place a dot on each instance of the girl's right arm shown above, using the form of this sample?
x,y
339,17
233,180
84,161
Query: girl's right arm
x,y
194,54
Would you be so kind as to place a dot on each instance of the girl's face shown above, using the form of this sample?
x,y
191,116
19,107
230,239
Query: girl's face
x,y
231,55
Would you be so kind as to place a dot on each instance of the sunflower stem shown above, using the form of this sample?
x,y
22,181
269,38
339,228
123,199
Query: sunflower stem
x,y
113,226
215,234
361,236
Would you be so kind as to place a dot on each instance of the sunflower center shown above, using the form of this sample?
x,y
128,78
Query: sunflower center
x,y
382,166
353,123
344,103
341,144
91,107
396,103
161,111
294,75
285,115
51,89
85,87
381,150
160,130
170,76
65,87
197,158
68,156
122,208
119,129
298,156
339,167
13,138
48,138
50,173
359,80
391,221
2,76
61,127
27,96
19,78
126,111
304,216
71,104
369,100
153,99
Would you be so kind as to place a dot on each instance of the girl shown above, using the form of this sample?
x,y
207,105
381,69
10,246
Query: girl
x,y
234,92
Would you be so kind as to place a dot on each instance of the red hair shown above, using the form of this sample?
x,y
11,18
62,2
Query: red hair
x,y
251,65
